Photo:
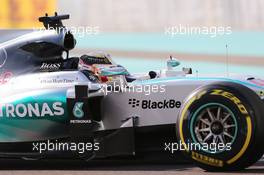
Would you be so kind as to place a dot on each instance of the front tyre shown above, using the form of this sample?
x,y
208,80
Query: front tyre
x,y
220,127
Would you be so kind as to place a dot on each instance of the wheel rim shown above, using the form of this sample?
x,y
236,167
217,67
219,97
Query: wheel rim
x,y
213,123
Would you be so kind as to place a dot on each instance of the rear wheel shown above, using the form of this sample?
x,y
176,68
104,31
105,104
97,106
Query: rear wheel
x,y
220,127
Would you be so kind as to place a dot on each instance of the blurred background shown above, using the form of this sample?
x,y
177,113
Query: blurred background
x,y
142,34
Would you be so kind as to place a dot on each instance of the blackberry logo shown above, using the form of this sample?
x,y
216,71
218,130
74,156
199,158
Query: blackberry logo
x,y
134,102
149,104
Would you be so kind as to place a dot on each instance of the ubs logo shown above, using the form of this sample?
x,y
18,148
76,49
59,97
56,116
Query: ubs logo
x,y
5,77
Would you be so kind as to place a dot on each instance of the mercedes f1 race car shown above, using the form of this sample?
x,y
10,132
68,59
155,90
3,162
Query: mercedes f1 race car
x,y
89,107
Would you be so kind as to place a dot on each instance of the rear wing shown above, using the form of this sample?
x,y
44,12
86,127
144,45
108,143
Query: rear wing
x,y
53,22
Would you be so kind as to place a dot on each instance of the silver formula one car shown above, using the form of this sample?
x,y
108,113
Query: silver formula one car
x,y
89,107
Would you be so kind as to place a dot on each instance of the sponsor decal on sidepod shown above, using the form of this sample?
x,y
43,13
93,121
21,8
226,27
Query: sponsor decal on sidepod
x,y
31,109
50,66
77,110
149,104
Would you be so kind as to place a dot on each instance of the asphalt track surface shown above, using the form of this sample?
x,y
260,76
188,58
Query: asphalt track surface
x,y
55,167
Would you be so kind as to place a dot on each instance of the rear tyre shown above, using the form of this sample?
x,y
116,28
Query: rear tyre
x,y
220,127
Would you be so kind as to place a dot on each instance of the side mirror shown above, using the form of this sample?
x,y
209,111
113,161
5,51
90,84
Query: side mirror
x,y
172,62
